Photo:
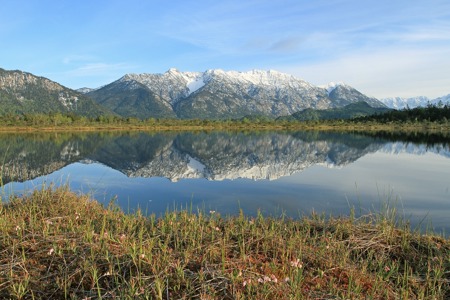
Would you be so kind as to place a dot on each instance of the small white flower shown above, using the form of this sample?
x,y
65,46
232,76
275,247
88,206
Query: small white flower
x,y
51,251
274,278
296,263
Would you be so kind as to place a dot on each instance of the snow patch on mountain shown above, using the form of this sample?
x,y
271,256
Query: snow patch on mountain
x,y
413,102
85,90
445,100
401,103
195,84
333,85
260,77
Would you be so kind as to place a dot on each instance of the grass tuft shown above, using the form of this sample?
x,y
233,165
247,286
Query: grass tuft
x,y
55,244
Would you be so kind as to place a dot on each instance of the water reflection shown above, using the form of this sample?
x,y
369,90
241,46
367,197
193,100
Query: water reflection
x,y
214,156
294,172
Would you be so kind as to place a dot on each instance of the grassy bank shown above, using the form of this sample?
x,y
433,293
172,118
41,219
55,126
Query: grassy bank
x,y
207,125
55,245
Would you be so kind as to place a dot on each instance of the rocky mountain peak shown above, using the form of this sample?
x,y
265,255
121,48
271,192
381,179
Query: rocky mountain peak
x,y
17,80
23,92
333,85
220,94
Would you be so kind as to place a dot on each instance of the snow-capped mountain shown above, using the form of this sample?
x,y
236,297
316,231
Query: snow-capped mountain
x,y
170,86
401,103
343,94
85,90
219,94
445,100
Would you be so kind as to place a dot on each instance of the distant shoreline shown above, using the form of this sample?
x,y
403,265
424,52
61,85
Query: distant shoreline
x,y
211,125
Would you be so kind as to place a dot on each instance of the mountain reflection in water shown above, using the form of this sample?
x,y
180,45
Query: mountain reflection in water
x,y
190,159
214,156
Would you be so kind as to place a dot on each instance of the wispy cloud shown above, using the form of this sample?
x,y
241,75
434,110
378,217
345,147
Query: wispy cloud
x,y
339,40
385,72
286,45
95,69
78,58
92,75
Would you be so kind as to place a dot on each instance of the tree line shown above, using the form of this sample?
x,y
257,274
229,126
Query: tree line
x,y
431,113
439,113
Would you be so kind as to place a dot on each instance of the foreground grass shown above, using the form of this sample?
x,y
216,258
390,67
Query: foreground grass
x,y
55,245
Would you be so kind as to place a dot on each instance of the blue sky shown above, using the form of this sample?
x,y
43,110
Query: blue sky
x,y
382,48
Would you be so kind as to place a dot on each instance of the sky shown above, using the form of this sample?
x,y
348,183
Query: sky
x,y
383,48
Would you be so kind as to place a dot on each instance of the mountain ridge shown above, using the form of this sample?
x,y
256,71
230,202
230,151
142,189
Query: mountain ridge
x,y
349,111
212,94
219,94
22,92
413,102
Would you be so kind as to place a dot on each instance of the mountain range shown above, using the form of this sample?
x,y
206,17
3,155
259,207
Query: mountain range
x,y
402,103
217,94
212,94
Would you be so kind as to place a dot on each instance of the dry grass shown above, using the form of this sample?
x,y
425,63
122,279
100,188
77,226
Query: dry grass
x,y
209,125
58,245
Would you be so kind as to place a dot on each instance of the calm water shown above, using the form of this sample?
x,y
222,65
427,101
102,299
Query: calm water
x,y
293,173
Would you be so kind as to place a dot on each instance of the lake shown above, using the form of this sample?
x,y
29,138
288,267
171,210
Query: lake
x,y
290,173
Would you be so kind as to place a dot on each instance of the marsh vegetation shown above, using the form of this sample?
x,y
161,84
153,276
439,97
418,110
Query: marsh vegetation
x,y
56,244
